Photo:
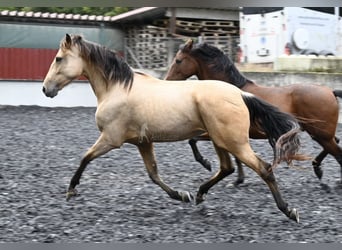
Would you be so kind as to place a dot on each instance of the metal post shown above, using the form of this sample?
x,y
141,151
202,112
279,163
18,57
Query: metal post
x,y
172,30
337,11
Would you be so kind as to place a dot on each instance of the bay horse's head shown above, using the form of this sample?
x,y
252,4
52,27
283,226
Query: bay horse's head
x,y
206,62
66,66
183,65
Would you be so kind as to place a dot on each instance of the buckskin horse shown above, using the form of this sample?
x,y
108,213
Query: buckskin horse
x,y
315,105
133,107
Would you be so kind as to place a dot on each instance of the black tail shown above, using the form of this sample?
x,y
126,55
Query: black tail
x,y
281,129
337,93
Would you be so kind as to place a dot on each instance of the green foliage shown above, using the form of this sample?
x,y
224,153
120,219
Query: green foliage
x,y
105,11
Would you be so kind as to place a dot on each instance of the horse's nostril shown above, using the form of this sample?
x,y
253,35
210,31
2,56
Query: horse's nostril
x,y
44,90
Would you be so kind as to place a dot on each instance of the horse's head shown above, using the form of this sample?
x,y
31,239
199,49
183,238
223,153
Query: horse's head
x,y
183,65
66,66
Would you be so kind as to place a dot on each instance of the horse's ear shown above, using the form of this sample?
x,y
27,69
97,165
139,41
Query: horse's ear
x,y
188,45
67,40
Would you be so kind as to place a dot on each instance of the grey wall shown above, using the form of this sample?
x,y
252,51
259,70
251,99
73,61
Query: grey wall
x,y
279,79
48,36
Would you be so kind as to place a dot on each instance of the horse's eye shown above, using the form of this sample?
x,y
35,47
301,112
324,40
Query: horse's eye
x,y
178,61
58,59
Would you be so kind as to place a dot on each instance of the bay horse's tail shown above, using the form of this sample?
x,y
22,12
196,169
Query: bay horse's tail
x,y
282,129
337,93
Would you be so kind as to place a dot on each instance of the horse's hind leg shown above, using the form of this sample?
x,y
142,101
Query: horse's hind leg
x,y
316,163
198,157
332,148
226,168
99,148
264,170
146,151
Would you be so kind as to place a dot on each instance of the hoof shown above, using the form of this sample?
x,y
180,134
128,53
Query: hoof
x,y
318,171
186,196
200,199
71,193
238,182
294,215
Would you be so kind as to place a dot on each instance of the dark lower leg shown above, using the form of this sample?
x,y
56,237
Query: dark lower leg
x,y
98,149
241,174
316,163
204,188
198,157
176,195
268,176
146,151
329,147
339,160
75,180
226,169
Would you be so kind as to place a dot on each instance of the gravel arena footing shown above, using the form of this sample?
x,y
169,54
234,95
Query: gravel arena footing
x,y
40,148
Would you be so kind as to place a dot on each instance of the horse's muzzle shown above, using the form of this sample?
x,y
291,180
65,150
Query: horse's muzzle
x,y
50,93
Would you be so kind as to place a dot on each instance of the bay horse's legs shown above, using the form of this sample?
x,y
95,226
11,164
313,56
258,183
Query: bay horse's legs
x,y
331,147
205,163
226,168
147,153
198,157
99,148
316,163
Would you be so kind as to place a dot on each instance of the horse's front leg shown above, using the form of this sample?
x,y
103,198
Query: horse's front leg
x,y
147,153
198,157
99,148
226,168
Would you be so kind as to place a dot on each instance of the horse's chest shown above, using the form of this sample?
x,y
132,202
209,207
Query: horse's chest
x,y
110,115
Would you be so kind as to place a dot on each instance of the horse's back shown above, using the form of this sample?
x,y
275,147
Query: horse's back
x,y
200,89
314,105
206,88
204,95
204,102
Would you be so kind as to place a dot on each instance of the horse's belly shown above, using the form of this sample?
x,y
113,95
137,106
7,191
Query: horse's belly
x,y
164,136
168,132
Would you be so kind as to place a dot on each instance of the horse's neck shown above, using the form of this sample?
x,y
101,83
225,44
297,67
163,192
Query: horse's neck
x,y
98,84
234,76
231,75
253,88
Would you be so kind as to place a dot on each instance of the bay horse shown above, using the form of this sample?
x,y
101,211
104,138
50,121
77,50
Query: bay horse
x,y
315,105
136,108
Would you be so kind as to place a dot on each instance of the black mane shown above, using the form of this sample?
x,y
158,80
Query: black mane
x,y
113,68
218,62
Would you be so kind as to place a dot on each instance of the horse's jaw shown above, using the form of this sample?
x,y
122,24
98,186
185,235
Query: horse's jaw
x,y
52,87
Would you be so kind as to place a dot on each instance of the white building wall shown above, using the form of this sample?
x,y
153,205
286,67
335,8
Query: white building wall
x,y
30,93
